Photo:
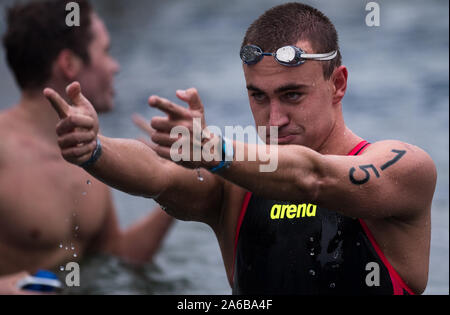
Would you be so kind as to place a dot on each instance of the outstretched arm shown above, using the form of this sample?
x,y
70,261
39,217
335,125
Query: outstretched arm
x,y
391,178
131,166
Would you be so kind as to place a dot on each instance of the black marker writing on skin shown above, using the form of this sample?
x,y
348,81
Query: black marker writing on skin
x,y
400,154
366,168
366,179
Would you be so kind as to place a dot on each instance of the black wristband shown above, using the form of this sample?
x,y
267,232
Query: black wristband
x,y
95,156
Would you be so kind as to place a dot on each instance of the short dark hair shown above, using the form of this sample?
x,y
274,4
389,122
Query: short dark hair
x,y
289,23
37,33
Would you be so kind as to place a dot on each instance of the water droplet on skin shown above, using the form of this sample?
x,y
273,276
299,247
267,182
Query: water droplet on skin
x,y
72,248
61,268
75,255
199,175
332,285
61,245
84,193
77,228
67,248
89,182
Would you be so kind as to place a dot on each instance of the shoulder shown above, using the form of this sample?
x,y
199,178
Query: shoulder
x,y
406,165
8,120
5,116
392,151
5,133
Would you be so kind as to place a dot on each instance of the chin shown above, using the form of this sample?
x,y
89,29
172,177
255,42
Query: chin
x,y
104,107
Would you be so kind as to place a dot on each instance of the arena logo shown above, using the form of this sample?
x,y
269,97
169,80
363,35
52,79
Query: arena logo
x,y
293,211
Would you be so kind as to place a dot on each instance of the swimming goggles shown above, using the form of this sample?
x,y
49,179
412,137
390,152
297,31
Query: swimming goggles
x,y
290,56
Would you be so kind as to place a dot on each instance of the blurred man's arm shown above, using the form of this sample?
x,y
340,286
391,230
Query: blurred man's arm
x,y
137,244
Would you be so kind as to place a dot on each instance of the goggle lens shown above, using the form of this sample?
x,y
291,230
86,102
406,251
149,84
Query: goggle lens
x,y
251,54
286,55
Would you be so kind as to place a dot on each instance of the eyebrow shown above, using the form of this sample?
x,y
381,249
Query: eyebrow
x,y
281,89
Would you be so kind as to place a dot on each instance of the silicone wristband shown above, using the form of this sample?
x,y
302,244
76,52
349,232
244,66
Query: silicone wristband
x,y
226,159
95,155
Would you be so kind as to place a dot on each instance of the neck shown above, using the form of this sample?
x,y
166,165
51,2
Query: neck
x,y
341,139
38,114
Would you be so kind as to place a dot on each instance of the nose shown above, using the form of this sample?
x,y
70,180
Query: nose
x,y
115,66
278,116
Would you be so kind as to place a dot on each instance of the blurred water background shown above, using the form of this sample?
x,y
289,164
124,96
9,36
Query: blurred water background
x,y
398,89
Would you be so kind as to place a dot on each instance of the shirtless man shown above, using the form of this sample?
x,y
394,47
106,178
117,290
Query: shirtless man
x,y
338,215
47,204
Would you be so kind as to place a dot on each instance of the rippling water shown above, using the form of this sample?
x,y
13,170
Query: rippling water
x,y
398,89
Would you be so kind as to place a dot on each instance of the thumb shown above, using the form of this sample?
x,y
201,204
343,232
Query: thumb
x,y
57,102
74,93
192,98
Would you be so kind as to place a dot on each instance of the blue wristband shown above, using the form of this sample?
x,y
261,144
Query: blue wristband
x,y
95,155
226,159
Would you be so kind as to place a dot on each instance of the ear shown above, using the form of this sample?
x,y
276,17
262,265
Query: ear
x,y
69,64
339,81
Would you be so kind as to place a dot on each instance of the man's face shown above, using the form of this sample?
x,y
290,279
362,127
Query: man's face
x,y
97,77
297,100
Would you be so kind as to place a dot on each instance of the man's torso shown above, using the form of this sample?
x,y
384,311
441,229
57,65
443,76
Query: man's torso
x,y
49,209
404,245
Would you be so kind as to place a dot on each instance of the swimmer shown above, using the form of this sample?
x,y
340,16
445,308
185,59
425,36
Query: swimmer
x,y
50,210
336,209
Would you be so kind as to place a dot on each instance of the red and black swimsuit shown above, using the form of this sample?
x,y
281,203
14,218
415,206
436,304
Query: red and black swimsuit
x,y
306,249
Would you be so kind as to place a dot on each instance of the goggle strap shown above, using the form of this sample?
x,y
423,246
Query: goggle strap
x,y
320,57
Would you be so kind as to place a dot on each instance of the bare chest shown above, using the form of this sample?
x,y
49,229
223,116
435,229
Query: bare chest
x,y
44,201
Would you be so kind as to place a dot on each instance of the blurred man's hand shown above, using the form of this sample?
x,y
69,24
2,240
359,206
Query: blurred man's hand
x,y
78,129
9,285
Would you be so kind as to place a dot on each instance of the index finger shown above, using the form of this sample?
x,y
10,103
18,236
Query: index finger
x,y
58,103
168,107
143,124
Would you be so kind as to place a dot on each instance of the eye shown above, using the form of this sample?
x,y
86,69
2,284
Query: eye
x,y
259,97
292,96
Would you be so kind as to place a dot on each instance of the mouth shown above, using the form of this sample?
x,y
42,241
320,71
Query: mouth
x,y
283,139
